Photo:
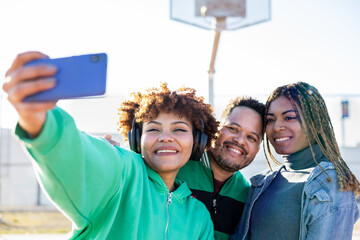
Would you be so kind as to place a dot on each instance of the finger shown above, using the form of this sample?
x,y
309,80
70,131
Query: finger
x,y
27,73
22,90
108,137
112,142
23,58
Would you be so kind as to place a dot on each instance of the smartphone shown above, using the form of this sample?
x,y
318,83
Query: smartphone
x,y
77,76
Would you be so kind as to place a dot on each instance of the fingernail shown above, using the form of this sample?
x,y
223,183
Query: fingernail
x,y
51,68
50,80
8,79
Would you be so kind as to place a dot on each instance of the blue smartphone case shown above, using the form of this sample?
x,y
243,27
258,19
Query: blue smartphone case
x,y
77,76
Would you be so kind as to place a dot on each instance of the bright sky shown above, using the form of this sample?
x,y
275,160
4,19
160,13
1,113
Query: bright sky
x,y
306,40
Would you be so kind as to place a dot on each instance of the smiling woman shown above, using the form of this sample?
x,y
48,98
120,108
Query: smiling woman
x,y
109,192
283,128
163,128
167,144
312,195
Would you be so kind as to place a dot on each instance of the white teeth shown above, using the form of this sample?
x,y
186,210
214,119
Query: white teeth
x,y
281,139
166,151
235,150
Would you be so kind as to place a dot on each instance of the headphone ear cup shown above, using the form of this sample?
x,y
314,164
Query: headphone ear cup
x,y
195,146
134,137
131,139
137,142
203,142
199,143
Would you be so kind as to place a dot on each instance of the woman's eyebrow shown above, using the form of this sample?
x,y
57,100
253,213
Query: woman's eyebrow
x,y
180,122
291,110
154,122
285,112
173,123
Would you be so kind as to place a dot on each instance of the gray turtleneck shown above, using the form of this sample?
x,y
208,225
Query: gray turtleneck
x,y
276,213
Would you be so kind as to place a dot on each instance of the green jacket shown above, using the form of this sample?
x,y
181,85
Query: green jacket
x,y
227,206
109,192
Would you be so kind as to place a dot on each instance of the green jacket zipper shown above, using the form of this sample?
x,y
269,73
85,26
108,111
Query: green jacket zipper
x,y
168,203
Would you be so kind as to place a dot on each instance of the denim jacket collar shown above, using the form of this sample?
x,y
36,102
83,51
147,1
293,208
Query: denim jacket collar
x,y
317,171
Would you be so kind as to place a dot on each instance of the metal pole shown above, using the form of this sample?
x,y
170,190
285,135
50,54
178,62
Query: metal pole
x,y
211,67
345,114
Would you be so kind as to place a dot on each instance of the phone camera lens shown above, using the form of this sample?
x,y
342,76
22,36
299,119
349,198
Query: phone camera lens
x,y
95,58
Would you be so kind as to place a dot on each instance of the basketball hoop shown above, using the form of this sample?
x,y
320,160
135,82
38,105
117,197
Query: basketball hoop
x,y
219,15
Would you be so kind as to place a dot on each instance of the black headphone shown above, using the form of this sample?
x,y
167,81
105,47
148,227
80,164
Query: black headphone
x,y
200,140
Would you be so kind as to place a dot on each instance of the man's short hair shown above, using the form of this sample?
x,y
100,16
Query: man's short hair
x,y
245,101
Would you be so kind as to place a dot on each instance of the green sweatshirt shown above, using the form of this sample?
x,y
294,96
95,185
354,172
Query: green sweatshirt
x,y
227,206
109,192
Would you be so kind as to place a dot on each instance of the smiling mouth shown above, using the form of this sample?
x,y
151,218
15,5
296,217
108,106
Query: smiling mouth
x,y
282,139
165,151
234,150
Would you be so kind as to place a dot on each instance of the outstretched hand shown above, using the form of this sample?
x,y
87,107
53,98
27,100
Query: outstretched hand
x,y
22,81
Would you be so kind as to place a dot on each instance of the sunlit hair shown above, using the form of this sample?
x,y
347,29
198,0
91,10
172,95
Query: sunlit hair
x,y
317,127
148,105
245,101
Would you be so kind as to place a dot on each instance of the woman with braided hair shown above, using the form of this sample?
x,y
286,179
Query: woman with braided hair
x,y
312,195
109,192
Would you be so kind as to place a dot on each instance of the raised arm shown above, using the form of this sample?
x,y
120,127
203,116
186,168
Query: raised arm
x,y
80,173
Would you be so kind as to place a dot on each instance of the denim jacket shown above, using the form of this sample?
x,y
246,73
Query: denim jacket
x,y
326,213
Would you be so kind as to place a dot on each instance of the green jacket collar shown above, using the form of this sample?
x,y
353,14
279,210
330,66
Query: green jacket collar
x,y
181,192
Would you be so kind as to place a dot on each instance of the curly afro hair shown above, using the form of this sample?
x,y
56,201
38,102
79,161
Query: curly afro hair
x,y
183,101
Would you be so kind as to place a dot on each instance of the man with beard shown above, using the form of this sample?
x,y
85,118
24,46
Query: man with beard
x,y
215,180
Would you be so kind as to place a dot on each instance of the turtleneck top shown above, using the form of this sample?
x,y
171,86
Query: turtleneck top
x,y
276,214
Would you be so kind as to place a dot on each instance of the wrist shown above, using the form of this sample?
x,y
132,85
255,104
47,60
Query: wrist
x,y
33,125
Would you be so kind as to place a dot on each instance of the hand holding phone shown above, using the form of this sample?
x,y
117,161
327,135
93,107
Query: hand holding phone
x,y
77,76
19,83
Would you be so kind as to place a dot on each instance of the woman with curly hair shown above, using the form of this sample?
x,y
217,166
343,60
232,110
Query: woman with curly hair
x,y
312,195
109,192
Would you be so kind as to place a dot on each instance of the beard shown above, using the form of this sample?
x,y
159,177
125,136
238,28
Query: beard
x,y
229,165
